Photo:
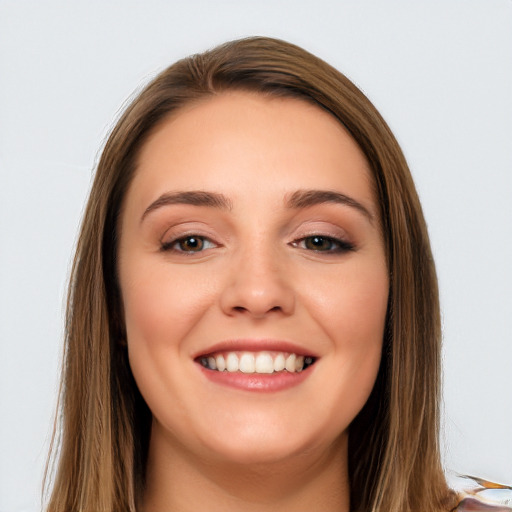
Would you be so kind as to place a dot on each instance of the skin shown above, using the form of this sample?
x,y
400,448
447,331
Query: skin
x,y
259,276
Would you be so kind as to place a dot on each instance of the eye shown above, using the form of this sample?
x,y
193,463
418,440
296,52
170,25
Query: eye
x,y
320,243
188,244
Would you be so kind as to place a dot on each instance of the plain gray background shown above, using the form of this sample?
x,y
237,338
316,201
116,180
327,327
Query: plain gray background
x,y
440,72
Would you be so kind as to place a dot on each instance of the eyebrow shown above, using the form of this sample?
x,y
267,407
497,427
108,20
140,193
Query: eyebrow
x,y
193,197
297,200
307,198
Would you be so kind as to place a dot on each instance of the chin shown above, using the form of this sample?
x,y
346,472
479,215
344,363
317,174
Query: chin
x,y
264,444
257,454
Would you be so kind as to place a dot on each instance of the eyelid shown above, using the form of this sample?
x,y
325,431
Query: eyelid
x,y
321,228
181,231
325,230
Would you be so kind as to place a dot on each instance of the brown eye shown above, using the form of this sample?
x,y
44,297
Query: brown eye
x,y
327,244
189,244
319,243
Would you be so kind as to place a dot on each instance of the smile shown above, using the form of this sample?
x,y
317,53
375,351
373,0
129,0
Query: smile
x,y
256,362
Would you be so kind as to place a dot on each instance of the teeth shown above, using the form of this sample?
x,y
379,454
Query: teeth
x,y
279,363
232,362
221,363
264,363
290,363
247,363
261,362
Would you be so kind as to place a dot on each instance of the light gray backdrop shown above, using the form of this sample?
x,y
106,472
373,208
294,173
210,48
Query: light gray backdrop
x,y
440,71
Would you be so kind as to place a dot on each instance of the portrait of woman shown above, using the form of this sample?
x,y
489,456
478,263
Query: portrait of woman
x,y
253,318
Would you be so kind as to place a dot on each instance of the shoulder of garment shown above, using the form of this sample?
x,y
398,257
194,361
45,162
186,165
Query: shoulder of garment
x,y
480,495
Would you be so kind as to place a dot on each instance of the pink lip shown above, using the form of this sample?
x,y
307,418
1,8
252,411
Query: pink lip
x,y
255,345
273,382
277,381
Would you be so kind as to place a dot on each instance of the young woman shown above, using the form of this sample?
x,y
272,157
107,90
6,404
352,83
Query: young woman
x,y
253,318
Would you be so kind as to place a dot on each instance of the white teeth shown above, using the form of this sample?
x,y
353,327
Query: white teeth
x,y
247,364
232,362
260,362
221,363
264,363
279,363
290,363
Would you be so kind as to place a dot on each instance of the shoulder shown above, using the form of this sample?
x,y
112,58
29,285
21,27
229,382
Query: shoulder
x,y
479,495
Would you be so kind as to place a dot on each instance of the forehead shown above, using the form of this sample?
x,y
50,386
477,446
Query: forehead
x,y
225,141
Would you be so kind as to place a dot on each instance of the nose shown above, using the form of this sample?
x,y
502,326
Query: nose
x,y
258,286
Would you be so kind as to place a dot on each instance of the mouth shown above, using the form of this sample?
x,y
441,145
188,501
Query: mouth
x,y
263,362
256,365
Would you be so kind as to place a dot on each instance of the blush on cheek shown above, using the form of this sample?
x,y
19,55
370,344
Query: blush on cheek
x,y
162,311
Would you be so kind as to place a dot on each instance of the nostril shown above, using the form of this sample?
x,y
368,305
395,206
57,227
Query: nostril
x,y
242,309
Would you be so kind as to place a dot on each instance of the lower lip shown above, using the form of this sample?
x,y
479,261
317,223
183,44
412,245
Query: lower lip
x,y
269,382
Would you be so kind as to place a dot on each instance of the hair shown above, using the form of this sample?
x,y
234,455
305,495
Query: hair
x,y
103,433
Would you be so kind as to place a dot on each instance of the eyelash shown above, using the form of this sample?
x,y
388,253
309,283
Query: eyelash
x,y
335,245
171,245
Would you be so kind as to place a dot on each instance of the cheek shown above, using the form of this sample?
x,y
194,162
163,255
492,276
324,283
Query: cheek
x,y
352,311
352,305
162,306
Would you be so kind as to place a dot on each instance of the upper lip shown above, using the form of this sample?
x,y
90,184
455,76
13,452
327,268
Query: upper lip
x,y
256,345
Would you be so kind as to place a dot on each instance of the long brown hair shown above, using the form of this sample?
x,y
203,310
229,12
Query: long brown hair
x,y
394,459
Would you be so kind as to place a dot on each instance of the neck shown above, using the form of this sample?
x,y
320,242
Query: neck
x,y
179,482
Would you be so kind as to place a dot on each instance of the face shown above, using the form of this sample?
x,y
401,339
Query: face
x,y
253,279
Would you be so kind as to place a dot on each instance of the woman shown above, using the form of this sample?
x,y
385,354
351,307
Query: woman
x,y
253,318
